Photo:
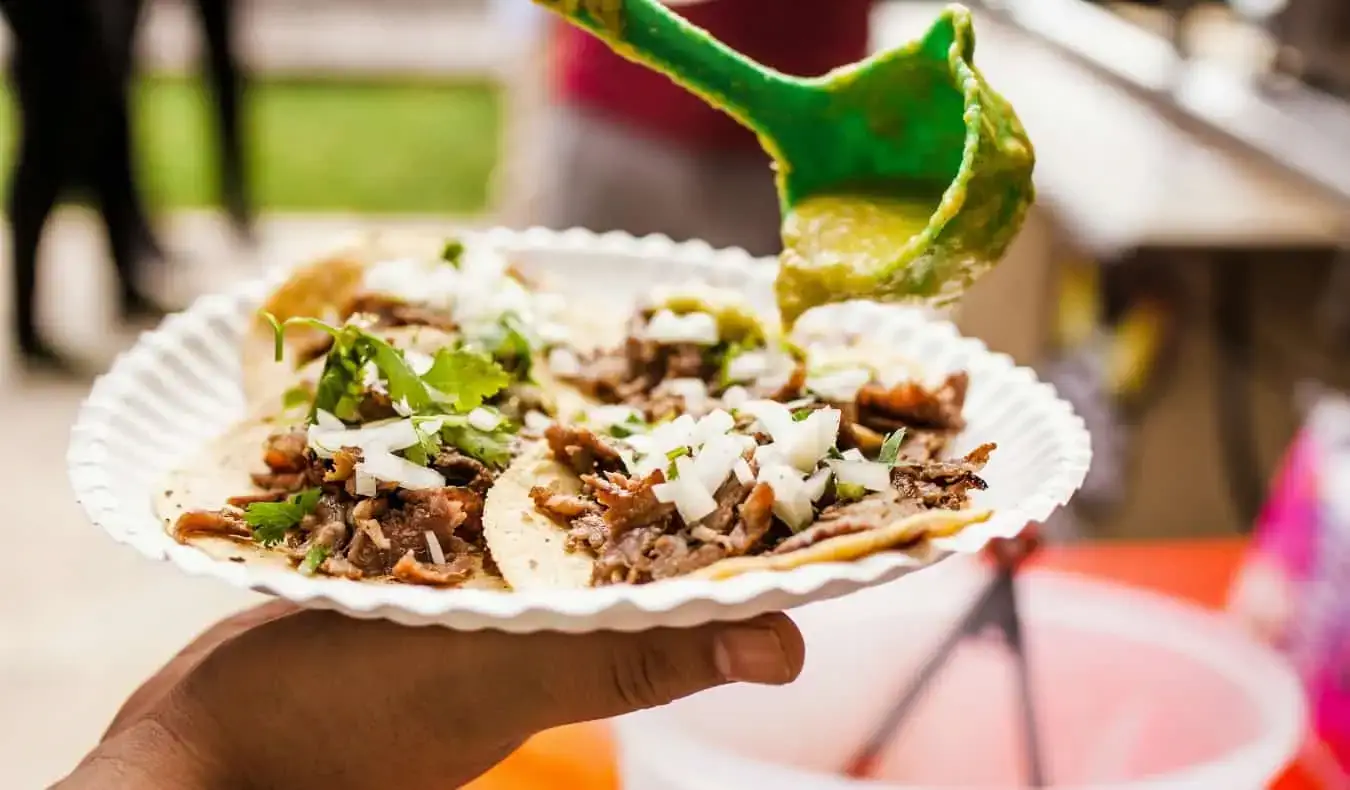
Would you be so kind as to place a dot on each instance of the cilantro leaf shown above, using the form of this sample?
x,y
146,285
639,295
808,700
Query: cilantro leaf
x,y
890,449
296,396
269,520
400,379
453,252
514,349
491,447
466,377
314,558
800,415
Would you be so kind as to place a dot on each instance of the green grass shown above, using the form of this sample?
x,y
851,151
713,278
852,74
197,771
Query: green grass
x,y
413,147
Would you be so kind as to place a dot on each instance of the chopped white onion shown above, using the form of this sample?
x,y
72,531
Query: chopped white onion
x,y
564,362
484,419
694,392
715,460
537,420
813,438
387,435
840,386
713,424
419,362
854,454
748,366
698,328
744,474
365,484
735,396
817,483
687,493
669,436
869,474
608,416
390,468
774,418
402,408
791,498
434,546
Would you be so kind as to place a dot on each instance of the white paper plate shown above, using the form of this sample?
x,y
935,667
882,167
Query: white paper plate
x,y
179,386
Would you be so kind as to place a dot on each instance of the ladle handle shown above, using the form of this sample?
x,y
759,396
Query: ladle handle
x,y
648,32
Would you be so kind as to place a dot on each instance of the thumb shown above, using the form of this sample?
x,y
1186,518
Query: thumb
x,y
580,677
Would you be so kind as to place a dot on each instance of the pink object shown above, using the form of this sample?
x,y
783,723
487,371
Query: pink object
x,y
1134,691
1295,588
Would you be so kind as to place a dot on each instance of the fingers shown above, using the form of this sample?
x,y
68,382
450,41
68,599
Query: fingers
x,y
557,679
150,692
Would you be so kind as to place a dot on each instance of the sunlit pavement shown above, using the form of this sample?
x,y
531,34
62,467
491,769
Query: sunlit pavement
x,y
83,619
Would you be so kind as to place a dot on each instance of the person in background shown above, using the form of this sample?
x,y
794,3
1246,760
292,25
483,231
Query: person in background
x,y
72,69
633,151
227,82
280,697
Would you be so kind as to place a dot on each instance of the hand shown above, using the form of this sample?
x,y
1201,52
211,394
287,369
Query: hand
x,y
282,697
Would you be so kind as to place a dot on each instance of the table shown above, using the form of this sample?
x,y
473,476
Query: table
x,y
581,757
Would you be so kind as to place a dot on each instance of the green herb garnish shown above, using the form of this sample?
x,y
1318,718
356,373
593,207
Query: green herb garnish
x,y
453,252
465,377
296,396
800,415
314,558
890,449
269,520
492,448
849,491
513,348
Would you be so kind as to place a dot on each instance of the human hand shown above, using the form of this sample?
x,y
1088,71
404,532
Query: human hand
x,y
282,697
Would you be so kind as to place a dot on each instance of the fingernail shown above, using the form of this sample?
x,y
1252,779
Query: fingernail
x,y
751,655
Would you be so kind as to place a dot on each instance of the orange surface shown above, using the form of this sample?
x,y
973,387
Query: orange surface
x,y
582,757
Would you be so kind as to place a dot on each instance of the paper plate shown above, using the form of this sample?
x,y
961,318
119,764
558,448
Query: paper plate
x,y
179,387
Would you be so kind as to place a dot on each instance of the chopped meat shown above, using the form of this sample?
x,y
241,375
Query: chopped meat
x,y
288,465
672,555
336,565
228,523
562,506
684,361
911,405
442,510
788,390
728,497
459,469
248,499
629,503
450,574
376,406
588,532
942,484
388,311
344,465
582,449
285,452
756,514
822,530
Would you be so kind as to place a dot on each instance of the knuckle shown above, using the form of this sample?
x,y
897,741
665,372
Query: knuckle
x,y
642,678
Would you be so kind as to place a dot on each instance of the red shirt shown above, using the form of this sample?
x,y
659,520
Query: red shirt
x,y
799,37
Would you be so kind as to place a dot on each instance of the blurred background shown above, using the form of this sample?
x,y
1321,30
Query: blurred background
x,y
1183,279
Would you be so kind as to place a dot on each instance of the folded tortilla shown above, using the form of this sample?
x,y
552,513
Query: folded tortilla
x,y
530,547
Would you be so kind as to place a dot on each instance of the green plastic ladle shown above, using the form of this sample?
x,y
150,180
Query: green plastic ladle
x,y
901,178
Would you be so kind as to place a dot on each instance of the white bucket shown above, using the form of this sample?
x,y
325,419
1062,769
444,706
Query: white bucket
x,y
1134,691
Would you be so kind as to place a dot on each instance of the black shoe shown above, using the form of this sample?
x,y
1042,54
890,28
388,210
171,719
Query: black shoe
x,y
40,359
135,306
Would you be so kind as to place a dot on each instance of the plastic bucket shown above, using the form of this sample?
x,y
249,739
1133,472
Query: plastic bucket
x,y
1132,691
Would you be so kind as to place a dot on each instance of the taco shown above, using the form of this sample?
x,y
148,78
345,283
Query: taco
x,y
718,450
375,466
397,280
